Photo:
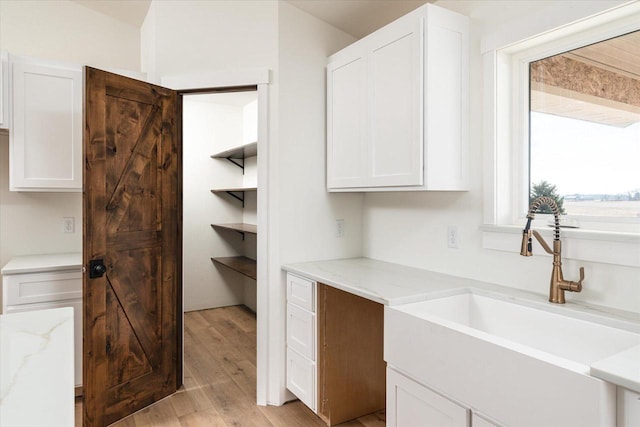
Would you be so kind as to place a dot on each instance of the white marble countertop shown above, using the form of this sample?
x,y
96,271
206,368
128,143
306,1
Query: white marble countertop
x,y
45,262
393,284
36,368
622,369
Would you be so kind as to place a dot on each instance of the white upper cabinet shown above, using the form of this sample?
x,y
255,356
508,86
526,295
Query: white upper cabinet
x,y
4,90
397,106
46,132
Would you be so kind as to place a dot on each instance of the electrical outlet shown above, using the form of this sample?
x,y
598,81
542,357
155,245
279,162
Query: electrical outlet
x,y
339,227
452,237
68,224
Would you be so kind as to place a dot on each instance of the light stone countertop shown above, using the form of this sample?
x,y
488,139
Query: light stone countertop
x,y
45,262
36,368
622,369
394,284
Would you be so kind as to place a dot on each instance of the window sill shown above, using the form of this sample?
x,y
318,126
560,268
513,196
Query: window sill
x,y
585,245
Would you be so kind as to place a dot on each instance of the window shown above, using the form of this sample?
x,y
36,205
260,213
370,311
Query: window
x,y
513,114
584,130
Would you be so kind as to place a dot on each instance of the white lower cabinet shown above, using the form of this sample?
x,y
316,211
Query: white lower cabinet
x,y
628,403
301,339
44,290
410,404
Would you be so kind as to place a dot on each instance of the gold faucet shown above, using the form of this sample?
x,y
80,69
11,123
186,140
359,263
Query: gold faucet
x,y
558,284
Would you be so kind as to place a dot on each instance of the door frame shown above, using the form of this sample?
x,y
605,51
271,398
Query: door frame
x,y
269,373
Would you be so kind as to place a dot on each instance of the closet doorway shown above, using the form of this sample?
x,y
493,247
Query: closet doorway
x,y
220,185
256,83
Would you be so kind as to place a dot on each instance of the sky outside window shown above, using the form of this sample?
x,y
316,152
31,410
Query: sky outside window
x,y
585,127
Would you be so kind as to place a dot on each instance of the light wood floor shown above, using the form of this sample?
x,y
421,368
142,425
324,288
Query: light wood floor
x,y
220,381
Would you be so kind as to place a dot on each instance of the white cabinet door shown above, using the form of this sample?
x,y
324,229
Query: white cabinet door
x,y
46,133
628,403
410,404
4,90
346,120
395,85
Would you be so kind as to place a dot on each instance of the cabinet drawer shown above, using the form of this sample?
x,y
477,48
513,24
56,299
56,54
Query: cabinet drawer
x,y
301,378
301,292
301,331
41,287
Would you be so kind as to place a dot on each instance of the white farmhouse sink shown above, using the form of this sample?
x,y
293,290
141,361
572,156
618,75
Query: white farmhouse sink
x,y
519,365
510,324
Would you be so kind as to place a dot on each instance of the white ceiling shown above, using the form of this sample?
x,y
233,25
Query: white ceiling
x,y
132,12
356,17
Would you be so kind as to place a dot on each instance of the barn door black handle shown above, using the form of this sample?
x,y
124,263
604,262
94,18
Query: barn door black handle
x,y
96,268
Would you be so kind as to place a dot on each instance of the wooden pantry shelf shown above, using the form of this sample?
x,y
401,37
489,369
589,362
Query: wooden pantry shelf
x,y
239,227
241,264
234,192
241,152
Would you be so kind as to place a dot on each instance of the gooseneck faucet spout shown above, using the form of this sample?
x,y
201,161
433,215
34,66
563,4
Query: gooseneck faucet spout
x,y
558,285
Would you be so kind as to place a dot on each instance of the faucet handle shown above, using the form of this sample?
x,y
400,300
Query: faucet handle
x,y
573,286
579,284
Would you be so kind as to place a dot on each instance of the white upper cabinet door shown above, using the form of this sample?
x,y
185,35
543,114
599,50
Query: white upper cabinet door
x,y
4,90
46,133
346,120
395,80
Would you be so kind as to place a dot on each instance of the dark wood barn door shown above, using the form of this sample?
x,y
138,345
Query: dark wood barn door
x,y
132,246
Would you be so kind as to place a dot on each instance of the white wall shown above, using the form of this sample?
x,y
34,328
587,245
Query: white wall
x,y
209,127
63,30
187,36
307,211
31,223
410,228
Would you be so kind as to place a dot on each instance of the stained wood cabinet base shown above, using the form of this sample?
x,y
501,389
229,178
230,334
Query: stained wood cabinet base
x,y
351,369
